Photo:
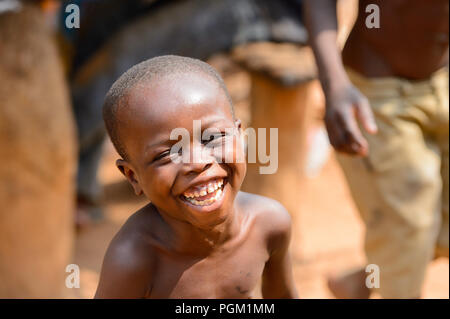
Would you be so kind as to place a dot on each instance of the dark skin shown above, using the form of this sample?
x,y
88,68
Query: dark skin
x,y
412,43
174,249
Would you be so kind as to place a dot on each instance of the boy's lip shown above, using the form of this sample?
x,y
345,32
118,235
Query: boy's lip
x,y
204,187
203,183
206,206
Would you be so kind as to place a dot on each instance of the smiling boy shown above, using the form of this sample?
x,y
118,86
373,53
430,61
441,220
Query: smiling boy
x,y
199,237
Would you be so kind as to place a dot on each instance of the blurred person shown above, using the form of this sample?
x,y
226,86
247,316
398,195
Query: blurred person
x,y
199,236
99,20
393,81
38,150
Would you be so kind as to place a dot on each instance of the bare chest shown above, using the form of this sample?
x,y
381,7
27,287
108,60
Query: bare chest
x,y
230,275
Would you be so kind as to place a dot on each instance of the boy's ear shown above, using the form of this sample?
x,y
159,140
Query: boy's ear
x,y
238,124
129,173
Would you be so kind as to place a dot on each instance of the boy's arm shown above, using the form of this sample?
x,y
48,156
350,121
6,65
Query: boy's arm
x,y
344,103
126,272
277,280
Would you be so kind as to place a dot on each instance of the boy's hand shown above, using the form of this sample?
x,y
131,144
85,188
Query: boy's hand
x,y
345,107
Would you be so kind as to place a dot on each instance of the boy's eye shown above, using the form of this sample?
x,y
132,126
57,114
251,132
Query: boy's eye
x,y
161,155
213,137
167,154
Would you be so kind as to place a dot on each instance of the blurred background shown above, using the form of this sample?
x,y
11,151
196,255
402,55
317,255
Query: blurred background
x,y
61,197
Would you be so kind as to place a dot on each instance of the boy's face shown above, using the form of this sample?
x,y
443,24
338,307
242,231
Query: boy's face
x,y
200,192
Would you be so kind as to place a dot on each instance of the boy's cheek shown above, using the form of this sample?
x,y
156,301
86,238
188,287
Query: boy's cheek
x,y
242,169
240,155
239,166
157,184
241,160
233,151
160,196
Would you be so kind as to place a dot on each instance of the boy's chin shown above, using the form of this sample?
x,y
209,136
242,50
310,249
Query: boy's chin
x,y
207,214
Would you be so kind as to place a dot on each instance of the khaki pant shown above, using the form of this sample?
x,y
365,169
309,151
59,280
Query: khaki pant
x,y
401,188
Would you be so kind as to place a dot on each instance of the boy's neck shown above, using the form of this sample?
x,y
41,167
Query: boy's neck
x,y
191,240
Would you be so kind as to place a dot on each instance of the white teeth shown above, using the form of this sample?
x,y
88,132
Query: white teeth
x,y
207,201
206,189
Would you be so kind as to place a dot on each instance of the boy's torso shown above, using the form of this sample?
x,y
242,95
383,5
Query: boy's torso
x,y
232,274
231,271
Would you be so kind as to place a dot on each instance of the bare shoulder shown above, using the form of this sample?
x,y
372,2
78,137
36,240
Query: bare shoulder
x,y
271,216
133,238
130,259
267,210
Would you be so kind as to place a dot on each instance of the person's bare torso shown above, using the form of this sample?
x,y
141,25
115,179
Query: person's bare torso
x,y
231,275
412,41
233,271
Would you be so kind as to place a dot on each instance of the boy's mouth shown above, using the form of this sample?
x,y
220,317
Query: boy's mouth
x,y
205,194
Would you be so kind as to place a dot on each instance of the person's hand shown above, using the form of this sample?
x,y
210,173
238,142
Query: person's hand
x,y
345,107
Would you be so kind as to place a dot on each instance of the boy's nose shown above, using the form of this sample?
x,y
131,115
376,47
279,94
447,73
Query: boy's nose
x,y
199,160
195,168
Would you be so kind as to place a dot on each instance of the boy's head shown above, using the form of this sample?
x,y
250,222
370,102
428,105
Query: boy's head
x,y
141,111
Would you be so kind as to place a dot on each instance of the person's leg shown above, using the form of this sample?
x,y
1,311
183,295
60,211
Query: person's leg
x,y
88,188
87,105
440,83
38,151
442,247
397,190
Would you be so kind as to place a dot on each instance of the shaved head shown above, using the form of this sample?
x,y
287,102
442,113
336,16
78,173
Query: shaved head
x,y
144,74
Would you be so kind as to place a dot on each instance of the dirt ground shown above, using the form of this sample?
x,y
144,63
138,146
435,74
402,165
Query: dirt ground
x,y
330,233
